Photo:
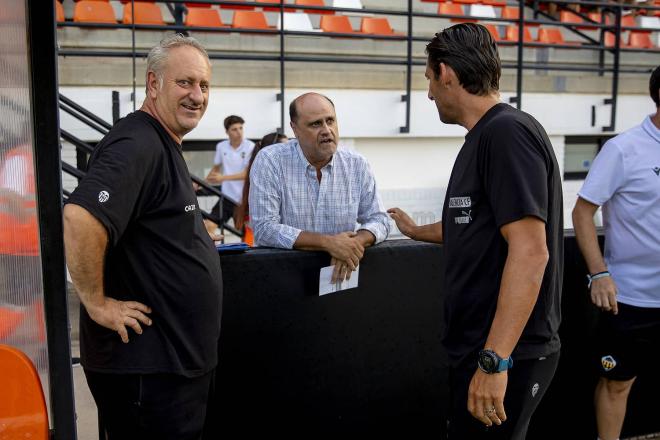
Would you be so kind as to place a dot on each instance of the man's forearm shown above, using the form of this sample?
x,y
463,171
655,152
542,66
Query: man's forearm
x,y
519,290
587,237
431,233
521,282
85,240
365,237
311,241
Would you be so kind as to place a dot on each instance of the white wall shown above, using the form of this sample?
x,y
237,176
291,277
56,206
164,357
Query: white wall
x,y
369,113
412,169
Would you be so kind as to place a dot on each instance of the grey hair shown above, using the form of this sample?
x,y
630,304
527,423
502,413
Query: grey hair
x,y
158,55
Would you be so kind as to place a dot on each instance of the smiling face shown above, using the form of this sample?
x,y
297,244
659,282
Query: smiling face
x,y
181,95
316,128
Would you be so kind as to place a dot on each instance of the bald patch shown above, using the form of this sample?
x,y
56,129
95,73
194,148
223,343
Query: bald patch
x,y
293,107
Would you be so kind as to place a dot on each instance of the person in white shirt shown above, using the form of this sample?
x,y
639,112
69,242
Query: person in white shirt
x,y
624,283
230,167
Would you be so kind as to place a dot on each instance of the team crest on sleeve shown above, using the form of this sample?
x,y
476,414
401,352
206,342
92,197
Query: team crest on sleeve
x,y
103,196
607,362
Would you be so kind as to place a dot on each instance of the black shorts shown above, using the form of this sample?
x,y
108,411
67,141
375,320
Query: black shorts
x,y
527,383
628,341
151,406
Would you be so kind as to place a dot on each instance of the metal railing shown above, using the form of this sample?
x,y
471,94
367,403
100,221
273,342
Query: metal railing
x,y
408,61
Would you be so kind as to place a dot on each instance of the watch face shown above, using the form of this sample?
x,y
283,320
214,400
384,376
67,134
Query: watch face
x,y
487,362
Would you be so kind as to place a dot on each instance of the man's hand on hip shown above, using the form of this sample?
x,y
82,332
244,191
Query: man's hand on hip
x,y
118,315
603,294
486,397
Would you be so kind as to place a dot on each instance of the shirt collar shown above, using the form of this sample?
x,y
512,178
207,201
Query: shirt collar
x,y
303,159
651,129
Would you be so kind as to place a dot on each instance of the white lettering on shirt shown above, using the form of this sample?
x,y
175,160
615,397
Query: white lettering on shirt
x,y
460,202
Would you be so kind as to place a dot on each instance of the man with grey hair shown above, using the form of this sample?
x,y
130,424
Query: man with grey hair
x,y
308,195
145,269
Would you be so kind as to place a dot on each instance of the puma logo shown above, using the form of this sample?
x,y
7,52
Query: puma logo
x,y
656,170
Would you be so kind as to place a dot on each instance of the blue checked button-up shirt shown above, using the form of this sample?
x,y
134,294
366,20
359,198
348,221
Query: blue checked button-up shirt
x,y
286,198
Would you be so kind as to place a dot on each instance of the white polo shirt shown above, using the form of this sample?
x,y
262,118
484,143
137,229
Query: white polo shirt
x,y
233,161
625,179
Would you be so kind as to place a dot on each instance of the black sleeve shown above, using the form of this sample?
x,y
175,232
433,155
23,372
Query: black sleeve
x,y
117,177
515,173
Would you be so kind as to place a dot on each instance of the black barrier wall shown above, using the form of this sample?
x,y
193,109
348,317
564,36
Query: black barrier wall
x,y
369,360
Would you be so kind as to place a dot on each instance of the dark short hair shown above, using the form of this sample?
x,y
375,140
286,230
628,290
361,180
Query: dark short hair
x,y
654,86
233,119
293,109
471,52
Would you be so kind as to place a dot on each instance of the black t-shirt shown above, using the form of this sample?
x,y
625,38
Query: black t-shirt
x,y
506,170
159,253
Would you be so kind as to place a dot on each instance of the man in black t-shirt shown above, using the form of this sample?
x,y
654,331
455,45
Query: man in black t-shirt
x,y
502,229
141,261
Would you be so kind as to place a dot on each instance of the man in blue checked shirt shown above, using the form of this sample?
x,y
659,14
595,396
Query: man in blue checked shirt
x,y
306,194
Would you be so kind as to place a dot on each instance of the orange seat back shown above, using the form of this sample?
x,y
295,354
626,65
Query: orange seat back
x,y
453,9
89,11
510,13
249,20
512,34
336,23
495,3
145,13
550,36
203,17
198,5
492,29
376,26
23,413
313,3
640,40
59,11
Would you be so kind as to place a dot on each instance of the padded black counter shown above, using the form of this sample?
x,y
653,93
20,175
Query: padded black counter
x,y
369,360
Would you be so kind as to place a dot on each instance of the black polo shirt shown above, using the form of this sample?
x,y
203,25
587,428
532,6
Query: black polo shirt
x,y
506,170
159,253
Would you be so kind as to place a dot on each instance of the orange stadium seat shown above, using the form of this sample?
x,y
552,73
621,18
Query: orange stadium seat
x,y
376,26
493,31
466,2
336,23
89,11
512,34
203,17
550,36
495,3
239,7
59,12
249,20
640,40
198,5
22,407
512,13
313,3
610,40
453,9
145,13
274,8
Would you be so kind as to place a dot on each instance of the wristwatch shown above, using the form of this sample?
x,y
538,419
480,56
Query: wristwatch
x,y
489,362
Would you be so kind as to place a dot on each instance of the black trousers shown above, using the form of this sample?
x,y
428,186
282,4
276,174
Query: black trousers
x,y
151,406
528,381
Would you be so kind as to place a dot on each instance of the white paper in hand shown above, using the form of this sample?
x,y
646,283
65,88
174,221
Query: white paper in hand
x,y
326,286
